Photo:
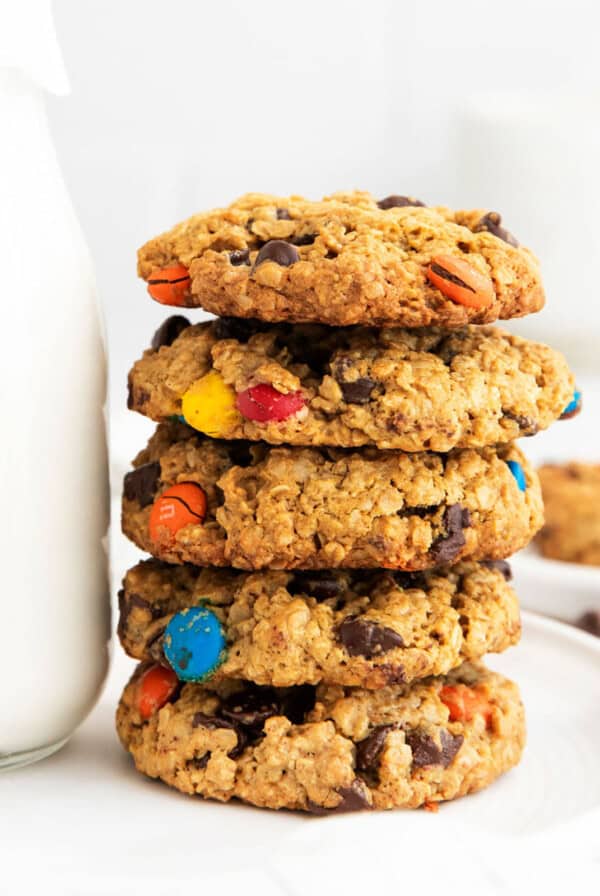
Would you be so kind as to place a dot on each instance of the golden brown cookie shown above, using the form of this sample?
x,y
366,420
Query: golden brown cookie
x,y
326,749
344,260
197,500
357,628
572,507
413,390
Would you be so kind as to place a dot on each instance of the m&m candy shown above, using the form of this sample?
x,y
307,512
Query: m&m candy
x,y
194,643
209,406
517,470
574,406
263,403
155,688
460,282
177,507
170,286
464,703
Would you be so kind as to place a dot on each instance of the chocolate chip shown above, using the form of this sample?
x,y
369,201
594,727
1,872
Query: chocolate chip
x,y
279,251
199,762
141,484
201,720
252,707
321,587
590,622
239,256
127,601
369,749
527,425
492,224
410,579
283,214
306,239
445,548
298,701
392,674
501,565
399,202
426,752
354,799
359,391
363,637
239,328
168,332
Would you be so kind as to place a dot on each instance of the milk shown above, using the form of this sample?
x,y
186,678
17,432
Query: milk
x,y
55,618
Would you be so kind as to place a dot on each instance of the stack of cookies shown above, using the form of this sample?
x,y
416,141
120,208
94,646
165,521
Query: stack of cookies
x,y
329,499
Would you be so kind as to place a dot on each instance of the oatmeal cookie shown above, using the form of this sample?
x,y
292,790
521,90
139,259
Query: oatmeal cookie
x,y
324,749
209,502
413,390
346,259
572,503
351,627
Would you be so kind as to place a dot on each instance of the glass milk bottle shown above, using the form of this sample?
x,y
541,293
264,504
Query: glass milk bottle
x,y
54,599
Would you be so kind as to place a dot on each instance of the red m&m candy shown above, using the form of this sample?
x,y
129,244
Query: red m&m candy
x,y
155,688
178,506
263,403
170,286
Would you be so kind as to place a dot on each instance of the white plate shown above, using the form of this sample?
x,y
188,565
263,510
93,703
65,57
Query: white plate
x,y
563,590
86,806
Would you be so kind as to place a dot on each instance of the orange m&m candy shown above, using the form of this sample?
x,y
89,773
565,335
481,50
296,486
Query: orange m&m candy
x,y
178,506
170,286
460,282
155,687
464,703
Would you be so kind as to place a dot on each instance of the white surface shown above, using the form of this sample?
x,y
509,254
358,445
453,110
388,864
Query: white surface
x,y
99,827
563,590
54,465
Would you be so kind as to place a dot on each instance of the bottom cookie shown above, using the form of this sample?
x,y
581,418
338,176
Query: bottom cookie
x,y
324,749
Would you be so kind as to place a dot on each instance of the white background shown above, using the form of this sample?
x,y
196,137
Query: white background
x,y
182,105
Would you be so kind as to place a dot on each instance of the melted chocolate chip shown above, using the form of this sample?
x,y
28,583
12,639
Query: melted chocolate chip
x,y
426,752
252,707
239,328
354,799
501,565
201,720
392,674
168,331
239,256
283,214
199,762
410,579
399,202
358,392
492,224
369,749
141,484
363,637
527,425
279,251
306,239
445,548
590,622
321,587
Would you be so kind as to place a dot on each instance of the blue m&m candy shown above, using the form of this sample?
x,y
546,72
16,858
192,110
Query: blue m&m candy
x,y
517,470
573,407
194,643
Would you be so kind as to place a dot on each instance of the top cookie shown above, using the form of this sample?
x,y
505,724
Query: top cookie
x,y
347,259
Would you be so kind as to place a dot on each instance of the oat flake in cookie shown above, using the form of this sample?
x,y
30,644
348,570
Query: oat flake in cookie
x,y
328,749
284,508
347,259
350,627
413,390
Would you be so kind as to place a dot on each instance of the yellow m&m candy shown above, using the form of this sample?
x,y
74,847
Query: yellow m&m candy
x,y
209,406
